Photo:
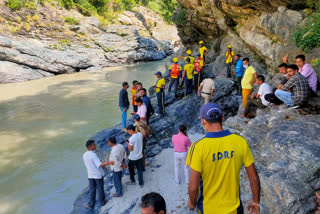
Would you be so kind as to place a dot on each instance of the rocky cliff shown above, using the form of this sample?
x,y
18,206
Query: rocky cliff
x,y
47,40
261,30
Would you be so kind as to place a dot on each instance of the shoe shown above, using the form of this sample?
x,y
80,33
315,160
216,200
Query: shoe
x,y
156,114
293,107
141,186
87,206
115,195
131,183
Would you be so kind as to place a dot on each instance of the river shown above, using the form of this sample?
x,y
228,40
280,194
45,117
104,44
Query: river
x,y
44,125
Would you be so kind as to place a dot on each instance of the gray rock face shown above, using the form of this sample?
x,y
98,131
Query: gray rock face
x,y
286,149
162,129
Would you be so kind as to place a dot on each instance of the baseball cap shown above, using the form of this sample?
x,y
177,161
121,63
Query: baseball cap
x,y
198,54
212,76
136,117
158,73
210,111
188,59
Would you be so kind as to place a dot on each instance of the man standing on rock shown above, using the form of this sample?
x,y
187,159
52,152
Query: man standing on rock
x,y
248,81
215,163
95,175
203,50
174,72
117,162
206,88
124,104
189,52
198,65
147,102
187,76
229,59
135,146
160,86
133,92
239,72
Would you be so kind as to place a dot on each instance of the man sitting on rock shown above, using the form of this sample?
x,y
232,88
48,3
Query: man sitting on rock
x,y
258,99
296,91
272,98
215,163
305,70
206,88
153,203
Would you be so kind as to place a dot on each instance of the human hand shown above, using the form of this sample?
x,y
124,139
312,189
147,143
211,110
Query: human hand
x,y
251,82
124,109
190,205
211,97
285,58
199,93
253,208
111,162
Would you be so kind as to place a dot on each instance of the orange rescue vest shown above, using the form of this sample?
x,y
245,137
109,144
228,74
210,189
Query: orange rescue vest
x,y
175,70
197,64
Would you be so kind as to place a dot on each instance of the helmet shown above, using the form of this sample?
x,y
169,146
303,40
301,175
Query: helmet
x,y
201,42
229,46
198,54
175,59
189,52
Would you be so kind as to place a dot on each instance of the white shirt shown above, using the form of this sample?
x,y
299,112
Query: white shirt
x,y
92,163
263,90
136,141
207,85
142,111
117,155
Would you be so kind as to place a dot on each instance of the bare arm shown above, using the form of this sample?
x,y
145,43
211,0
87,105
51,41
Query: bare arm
x,y
211,93
130,147
193,188
184,73
200,88
206,52
254,79
255,189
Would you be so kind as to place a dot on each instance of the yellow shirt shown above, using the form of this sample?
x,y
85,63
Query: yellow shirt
x,y
189,68
247,78
192,59
202,50
160,83
218,157
229,57
133,92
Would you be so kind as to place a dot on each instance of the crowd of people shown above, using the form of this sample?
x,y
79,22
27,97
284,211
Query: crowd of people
x,y
211,166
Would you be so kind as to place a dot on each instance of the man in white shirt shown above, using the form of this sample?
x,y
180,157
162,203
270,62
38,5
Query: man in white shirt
x,y
116,161
206,88
142,110
258,99
95,175
135,145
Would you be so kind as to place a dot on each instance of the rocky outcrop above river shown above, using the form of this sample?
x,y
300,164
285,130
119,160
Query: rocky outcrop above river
x,y
33,46
261,30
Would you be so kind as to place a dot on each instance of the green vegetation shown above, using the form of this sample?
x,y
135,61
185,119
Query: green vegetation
x,y
307,36
107,9
65,42
15,4
72,20
182,16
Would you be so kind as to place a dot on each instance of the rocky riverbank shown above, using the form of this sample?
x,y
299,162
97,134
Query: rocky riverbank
x,y
49,41
287,160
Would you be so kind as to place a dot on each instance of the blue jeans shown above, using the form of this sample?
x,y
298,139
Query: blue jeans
x,y
229,70
138,164
160,98
188,86
117,182
196,81
96,184
124,117
284,96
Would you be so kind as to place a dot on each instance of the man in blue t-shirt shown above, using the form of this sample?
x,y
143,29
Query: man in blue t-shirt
x,y
239,72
